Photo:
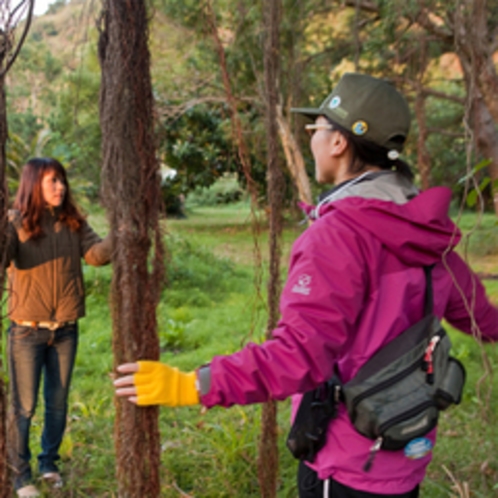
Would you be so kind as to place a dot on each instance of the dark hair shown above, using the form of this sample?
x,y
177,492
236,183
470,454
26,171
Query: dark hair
x,y
31,204
366,153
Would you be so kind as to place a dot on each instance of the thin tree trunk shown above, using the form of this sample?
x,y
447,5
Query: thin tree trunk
x,y
268,448
423,158
10,15
473,41
131,192
486,139
482,119
5,484
294,158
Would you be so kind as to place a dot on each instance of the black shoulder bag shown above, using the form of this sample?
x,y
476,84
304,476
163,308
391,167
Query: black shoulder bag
x,y
397,395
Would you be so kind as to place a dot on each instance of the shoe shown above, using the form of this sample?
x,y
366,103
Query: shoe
x,y
28,491
53,478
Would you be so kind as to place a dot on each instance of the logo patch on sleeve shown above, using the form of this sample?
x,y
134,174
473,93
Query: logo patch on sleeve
x,y
303,285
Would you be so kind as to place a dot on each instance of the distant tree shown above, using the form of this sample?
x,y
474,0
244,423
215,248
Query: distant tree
x,y
198,145
10,15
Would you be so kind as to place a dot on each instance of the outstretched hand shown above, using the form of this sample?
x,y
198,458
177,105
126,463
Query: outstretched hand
x,y
155,383
125,386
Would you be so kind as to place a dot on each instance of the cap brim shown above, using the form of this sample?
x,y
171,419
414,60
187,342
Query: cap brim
x,y
307,111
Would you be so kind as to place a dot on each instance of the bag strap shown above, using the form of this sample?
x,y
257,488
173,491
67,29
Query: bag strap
x,y
429,293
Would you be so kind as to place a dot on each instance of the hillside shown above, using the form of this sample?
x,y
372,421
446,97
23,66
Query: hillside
x,y
63,44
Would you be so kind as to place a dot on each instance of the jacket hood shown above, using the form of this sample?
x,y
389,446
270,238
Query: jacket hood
x,y
418,232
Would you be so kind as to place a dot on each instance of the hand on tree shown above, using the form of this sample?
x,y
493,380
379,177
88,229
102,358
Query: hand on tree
x,y
155,383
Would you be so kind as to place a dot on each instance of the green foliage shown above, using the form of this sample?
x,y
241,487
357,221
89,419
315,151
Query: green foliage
x,y
24,125
479,185
56,6
76,128
198,146
193,269
479,234
19,151
224,191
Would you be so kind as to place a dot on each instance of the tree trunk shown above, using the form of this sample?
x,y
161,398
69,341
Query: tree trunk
x,y
268,448
5,484
423,158
472,42
480,80
9,50
294,158
486,139
131,193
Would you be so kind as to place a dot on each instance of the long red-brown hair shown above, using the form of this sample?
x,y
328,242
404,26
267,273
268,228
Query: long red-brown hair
x,y
29,199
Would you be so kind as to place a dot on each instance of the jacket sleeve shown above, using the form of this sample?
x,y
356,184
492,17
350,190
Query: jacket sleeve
x,y
320,304
468,308
12,237
94,250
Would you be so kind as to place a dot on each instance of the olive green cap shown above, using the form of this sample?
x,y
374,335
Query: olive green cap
x,y
369,107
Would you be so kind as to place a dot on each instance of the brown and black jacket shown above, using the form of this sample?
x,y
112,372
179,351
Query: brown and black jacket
x,y
45,274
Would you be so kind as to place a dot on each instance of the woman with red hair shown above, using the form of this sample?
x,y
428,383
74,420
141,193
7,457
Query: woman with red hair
x,y
48,236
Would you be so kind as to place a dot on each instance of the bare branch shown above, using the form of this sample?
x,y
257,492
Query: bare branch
x,y
445,132
365,5
8,30
430,92
423,19
442,95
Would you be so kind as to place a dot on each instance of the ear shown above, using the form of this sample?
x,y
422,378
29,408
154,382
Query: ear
x,y
338,144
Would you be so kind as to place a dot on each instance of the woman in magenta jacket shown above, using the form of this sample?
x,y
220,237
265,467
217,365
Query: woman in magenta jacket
x,y
356,281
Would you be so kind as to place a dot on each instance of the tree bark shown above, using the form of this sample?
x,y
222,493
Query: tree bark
x,y
5,484
423,158
472,48
131,193
9,50
268,448
474,43
294,158
483,125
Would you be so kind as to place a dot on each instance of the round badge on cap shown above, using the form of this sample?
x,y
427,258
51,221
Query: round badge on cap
x,y
335,102
359,128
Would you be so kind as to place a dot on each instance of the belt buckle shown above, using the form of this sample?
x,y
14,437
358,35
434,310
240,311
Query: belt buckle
x,y
49,325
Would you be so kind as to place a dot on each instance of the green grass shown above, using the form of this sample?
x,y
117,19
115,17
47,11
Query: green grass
x,y
211,306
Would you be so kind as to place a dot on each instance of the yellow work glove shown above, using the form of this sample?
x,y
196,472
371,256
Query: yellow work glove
x,y
160,384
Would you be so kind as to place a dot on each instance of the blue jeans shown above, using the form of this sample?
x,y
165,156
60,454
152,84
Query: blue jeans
x,y
33,352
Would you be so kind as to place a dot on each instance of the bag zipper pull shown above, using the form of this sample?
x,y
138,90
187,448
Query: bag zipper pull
x,y
373,452
337,394
428,359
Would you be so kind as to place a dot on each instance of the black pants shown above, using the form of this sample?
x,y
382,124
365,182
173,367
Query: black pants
x,y
311,487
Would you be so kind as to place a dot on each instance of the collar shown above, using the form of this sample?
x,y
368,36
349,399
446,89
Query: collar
x,y
313,212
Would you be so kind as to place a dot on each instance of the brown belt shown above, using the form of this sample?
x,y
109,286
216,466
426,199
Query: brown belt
x,y
45,325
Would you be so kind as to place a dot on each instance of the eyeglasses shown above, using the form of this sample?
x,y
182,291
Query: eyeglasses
x,y
311,128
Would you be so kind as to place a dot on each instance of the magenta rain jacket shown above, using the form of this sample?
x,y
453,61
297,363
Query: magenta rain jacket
x,y
355,283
